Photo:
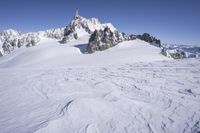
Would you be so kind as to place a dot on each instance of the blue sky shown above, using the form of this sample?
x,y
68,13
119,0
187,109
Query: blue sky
x,y
173,21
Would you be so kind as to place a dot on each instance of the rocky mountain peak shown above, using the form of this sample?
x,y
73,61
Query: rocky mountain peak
x,y
106,38
77,16
9,34
101,36
80,26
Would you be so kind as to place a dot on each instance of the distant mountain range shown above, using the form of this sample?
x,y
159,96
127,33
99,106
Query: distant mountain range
x,y
181,51
102,36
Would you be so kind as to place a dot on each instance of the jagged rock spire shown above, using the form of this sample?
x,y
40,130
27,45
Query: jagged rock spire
x,y
76,15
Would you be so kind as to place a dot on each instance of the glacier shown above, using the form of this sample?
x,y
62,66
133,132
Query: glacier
x,y
128,88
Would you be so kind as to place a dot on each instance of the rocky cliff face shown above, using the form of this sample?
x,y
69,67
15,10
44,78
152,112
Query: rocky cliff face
x,y
12,39
29,39
57,33
150,39
80,26
9,34
104,39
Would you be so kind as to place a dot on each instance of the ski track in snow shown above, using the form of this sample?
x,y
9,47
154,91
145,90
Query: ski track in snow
x,y
156,97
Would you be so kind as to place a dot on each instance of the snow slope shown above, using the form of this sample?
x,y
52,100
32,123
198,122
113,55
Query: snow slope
x,y
55,88
49,53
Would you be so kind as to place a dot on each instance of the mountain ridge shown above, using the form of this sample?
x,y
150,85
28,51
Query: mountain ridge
x,y
11,39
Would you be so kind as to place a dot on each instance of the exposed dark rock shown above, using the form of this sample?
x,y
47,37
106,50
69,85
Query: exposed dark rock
x,y
76,36
32,40
7,47
150,39
175,54
178,55
20,43
68,30
64,40
55,33
104,39
94,42
1,54
14,43
132,37
164,52
80,25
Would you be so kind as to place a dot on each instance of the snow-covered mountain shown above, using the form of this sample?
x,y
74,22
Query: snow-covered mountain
x,y
81,36
100,37
9,34
57,33
80,26
181,51
11,40
103,39
125,86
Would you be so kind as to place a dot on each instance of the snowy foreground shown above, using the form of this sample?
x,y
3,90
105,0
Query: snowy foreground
x,y
126,89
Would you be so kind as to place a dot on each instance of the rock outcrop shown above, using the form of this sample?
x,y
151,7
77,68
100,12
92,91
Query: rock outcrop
x,y
150,39
180,51
104,39
53,33
80,26
12,39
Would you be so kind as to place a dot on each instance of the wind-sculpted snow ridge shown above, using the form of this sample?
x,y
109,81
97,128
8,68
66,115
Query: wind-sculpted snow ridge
x,y
155,97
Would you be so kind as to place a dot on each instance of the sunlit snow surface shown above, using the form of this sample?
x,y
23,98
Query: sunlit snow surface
x,y
130,88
